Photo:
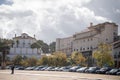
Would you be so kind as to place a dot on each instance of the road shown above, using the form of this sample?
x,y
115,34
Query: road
x,y
52,75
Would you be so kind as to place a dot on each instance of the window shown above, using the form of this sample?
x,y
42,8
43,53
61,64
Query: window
x,y
74,49
91,47
106,39
88,48
83,40
88,39
81,48
77,49
91,39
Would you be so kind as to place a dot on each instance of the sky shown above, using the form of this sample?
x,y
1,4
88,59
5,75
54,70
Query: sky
x,y
51,19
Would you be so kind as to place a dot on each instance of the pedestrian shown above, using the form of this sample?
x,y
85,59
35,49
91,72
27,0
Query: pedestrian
x,y
12,69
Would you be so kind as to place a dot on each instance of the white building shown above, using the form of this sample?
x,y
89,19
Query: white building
x,y
116,53
22,46
87,41
64,45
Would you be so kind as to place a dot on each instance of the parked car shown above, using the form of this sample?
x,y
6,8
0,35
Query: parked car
x,y
20,68
118,73
103,70
8,67
30,68
81,69
38,68
91,69
49,68
56,69
74,68
42,69
66,69
113,71
61,68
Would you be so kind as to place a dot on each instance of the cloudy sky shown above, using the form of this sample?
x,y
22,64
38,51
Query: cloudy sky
x,y
51,19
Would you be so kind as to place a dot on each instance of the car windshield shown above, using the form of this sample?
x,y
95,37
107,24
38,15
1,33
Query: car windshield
x,y
114,70
103,69
83,68
92,68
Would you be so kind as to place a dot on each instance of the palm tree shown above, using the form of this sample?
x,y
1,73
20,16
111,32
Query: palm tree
x,y
4,49
17,43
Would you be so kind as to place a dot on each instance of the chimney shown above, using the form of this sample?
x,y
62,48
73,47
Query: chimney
x,y
91,24
34,35
15,35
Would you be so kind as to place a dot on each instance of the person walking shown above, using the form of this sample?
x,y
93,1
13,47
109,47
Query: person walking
x,y
12,69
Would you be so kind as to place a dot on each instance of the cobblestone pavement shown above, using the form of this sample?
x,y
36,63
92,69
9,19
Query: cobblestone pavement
x,y
52,75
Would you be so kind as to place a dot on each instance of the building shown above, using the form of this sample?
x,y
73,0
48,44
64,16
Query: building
x,y
22,46
64,45
116,53
88,40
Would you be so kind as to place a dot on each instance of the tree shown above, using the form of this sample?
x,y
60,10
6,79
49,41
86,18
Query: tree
x,y
103,55
52,47
32,61
4,50
78,59
42,45
43,60
56,59
17,60
17,42
60,59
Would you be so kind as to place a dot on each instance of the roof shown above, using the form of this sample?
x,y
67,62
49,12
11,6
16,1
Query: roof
x,y
91,28
20,37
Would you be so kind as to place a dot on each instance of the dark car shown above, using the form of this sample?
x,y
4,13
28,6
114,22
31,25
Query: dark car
x,y
42,69
92,69
81,69
20,68
61,69
38,68
118,73
74,68
113,71
103,70
55,69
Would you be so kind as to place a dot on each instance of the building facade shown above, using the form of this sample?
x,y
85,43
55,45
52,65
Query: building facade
x,y
22,46
116,53
64,45
88,40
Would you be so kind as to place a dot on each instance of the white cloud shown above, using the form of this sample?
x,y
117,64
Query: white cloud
x,y
47,19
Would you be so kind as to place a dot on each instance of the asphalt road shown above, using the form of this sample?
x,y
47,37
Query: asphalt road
x,y
52,75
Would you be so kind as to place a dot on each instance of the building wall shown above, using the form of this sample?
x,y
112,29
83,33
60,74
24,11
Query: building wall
x,y
116,53
88,40
24,47
64,45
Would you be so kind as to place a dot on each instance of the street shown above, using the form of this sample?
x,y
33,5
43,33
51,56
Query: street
x,y
52,75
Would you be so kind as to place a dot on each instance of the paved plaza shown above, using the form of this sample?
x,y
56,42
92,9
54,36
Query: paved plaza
x,y
52,75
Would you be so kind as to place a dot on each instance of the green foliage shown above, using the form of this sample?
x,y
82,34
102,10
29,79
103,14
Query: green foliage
x,y
52,47
77,59
32,61
42,45
56,59
103,55
4,45
17,60
43,60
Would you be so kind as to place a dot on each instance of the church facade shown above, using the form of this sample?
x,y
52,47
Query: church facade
x,y
22,46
